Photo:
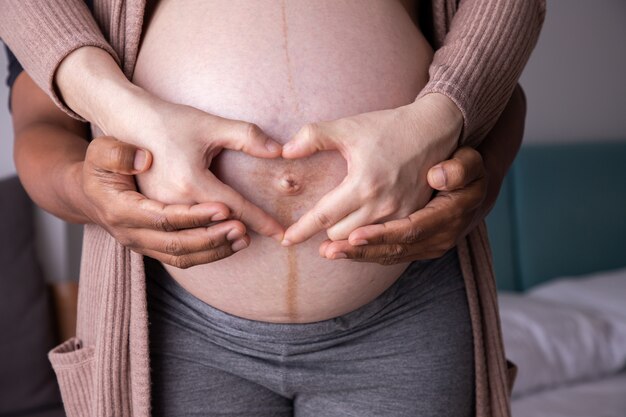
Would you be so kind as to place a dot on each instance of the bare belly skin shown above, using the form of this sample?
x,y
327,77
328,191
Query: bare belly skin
x,y
282,64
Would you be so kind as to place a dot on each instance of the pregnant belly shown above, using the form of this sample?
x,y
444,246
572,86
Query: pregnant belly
x,y
282,64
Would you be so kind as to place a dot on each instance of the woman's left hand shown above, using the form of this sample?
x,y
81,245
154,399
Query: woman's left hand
x,y
388,154
430,232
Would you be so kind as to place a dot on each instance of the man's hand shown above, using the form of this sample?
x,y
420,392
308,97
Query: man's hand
x,y
429,232
179,235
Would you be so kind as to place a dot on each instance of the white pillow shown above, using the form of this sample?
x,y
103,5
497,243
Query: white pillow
x,y
603,291
554,343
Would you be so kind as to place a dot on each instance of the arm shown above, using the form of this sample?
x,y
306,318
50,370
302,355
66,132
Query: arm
x,y
93,183
481,51
468,185
42,33
73,64
472,76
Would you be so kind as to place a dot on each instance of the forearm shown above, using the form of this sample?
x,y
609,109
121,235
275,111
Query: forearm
x,y
501,145
92,84
42,33
479,61
49,162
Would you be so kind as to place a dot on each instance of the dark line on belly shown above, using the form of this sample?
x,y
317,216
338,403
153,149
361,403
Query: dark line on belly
x,y
292,284
290,82
284,214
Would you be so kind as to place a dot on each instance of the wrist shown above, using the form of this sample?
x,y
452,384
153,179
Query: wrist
x,y
444,112
77,201
91,83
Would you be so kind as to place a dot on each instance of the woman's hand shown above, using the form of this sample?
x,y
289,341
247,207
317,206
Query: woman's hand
x,y
388,154
178,235
183,140
430,232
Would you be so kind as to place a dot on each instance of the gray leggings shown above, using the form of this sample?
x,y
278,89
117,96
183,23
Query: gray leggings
x,y
407,353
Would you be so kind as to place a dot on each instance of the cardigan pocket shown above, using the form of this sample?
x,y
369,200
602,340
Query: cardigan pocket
x,y
73,364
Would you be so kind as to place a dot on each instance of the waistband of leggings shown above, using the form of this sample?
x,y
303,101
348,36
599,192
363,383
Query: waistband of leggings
x,y
171,295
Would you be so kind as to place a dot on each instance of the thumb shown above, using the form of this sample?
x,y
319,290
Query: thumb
x,y
311,138
465,167
109,154
246,137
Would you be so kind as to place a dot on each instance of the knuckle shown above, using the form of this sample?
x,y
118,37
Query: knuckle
x,y
389,207
309,131
252,130
412,235
219,253
126,240
116,154
322,220
111,218
212,244
181,262
173,247
387,260
162,223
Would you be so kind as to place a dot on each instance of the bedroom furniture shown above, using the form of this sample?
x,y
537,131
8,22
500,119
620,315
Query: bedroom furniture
x,y
562,213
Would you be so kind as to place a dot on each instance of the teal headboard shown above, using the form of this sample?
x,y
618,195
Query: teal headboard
x,y
561,212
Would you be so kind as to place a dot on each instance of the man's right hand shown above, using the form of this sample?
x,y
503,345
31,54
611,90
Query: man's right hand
x,y
180,235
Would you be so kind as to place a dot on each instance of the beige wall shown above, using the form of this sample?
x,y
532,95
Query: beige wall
x,y
574,82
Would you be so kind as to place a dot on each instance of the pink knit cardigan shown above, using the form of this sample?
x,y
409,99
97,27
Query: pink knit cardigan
x,y
481,49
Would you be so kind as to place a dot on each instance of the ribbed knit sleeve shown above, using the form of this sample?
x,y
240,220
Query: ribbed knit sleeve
x,y
41,33
486,46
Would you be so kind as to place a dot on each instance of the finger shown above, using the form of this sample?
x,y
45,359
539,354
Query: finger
x,y
241,209
192,259
465,166
372,253
386,254
323,246
341,230
418,226
141,212
311,138
331,208
245,137
187,241
109,154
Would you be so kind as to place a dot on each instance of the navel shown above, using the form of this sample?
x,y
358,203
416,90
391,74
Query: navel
x,y
288,184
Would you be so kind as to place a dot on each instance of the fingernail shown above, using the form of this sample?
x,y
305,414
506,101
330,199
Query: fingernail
x,y
359,242
140,160
239,245
217,217
233,235
439,178
338,255
278,237
272,146
286,242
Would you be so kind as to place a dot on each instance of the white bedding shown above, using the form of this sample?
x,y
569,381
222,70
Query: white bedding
x,y
602,398
568,338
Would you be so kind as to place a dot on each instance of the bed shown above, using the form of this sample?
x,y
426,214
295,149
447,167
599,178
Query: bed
x,y
558,234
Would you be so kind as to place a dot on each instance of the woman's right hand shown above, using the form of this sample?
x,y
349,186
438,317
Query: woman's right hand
x,y
179,235
183,140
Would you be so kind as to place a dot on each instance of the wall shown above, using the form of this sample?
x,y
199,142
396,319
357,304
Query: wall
x,y
575,79
574,83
